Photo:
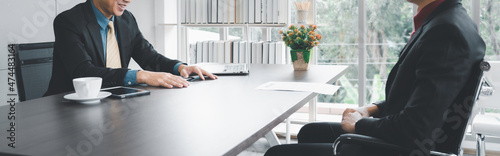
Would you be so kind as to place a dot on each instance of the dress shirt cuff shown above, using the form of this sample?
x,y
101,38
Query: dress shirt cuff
x,y
176,68
131,78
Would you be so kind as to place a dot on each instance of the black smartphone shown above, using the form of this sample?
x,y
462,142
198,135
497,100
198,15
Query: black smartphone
x,y
124,92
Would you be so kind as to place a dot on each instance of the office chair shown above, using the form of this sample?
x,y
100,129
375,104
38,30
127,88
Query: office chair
x,y
486,124
33,68
451,146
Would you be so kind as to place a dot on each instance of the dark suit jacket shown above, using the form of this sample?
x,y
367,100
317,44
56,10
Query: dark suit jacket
x,y
427,80
78,49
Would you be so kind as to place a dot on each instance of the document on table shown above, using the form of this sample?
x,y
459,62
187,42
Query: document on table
x,y
299,86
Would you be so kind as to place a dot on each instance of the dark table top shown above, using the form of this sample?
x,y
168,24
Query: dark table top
x,y
212,117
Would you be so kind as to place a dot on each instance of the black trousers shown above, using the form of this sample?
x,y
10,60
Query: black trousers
x,y
316,139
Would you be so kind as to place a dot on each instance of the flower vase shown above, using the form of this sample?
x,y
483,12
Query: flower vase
x,y
300,58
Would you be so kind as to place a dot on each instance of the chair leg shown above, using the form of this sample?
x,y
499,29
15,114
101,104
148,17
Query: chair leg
x,y
480,149
272,139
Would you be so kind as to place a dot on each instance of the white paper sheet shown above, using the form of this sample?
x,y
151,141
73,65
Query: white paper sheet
x,y
299,86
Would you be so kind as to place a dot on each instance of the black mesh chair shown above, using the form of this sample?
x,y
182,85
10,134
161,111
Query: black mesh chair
x,y
33,68
452,145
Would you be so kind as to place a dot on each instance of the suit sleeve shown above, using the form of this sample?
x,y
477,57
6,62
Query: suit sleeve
x,y
146,56
442,68
76,59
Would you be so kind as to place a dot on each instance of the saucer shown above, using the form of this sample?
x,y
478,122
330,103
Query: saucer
x,y
92,100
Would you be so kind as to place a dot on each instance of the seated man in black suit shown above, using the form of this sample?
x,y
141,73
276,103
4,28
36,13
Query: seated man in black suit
x,y
98,38
432,70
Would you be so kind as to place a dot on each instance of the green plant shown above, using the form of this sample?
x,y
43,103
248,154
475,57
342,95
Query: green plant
x,y
301,37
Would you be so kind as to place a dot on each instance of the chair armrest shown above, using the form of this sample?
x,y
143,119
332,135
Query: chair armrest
x,y
374,142
366,141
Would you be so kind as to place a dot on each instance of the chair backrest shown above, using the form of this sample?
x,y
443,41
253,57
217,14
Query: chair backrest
x,y
33,68
458,115
490,91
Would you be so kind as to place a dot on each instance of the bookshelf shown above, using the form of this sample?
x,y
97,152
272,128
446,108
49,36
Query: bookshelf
x,y
184,22
183,46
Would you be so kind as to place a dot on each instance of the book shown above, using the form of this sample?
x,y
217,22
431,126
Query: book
x,y
259,49
280,52
272,53
205,52
275,11
220,51
209,11
215,52
183,12
231,11
245,11
210,52
251,11
265,53
236,51
220,11
215,10
269,12
227,51
226,10
204,13
199,50
258,11
237,12
199,11
283,11
192,4
192,53
264,11
242,52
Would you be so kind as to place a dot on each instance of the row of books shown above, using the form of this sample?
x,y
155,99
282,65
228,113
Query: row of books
x,y
235,51
234,11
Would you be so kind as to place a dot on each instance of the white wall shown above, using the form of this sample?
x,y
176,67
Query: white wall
x,y
30,21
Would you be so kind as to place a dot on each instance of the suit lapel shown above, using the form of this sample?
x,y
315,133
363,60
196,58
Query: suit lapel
x,y
122,36
94,31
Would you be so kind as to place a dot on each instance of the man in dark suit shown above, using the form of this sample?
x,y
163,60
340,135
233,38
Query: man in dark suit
x,y
430,74
98,38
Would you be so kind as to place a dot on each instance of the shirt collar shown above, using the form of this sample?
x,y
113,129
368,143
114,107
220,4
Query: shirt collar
x,y
419,19
101,19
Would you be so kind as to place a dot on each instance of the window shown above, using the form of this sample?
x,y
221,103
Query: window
x,y
388,23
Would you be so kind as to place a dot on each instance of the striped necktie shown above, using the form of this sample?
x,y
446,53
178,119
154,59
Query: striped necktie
x,y
112,52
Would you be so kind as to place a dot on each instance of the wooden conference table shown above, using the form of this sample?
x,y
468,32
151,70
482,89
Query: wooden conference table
x,y
213,117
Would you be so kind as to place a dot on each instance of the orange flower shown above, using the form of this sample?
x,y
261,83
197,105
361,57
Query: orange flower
x,y
296,30
283,38
317,43
302,27
281,31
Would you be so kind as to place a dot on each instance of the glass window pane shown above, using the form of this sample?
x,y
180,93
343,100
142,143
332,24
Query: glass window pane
x,y
490,28
345,54
389,25
235,33
196,34
338,24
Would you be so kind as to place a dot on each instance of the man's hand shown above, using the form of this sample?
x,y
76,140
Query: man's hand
x,y
349,120
161,79
351,116
188,70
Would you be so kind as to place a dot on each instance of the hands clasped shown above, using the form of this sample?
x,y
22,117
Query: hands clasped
x,y
169,80
351,116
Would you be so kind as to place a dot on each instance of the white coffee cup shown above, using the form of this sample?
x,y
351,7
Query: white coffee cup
x,y
87,87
